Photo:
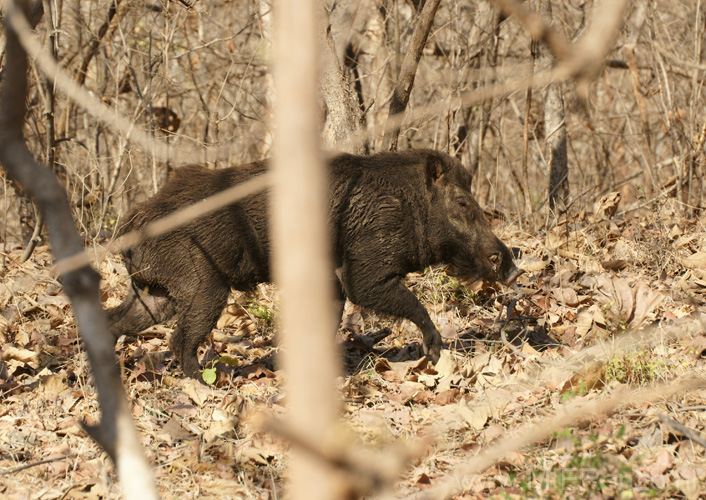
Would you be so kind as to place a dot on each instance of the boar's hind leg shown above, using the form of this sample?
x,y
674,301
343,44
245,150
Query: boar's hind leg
x,y
197,315
142,308
392,297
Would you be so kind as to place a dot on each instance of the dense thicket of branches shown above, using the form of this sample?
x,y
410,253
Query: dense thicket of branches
x,y
201,73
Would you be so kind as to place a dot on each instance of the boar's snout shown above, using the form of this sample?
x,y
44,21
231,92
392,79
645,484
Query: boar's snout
x,y
503,265
514,273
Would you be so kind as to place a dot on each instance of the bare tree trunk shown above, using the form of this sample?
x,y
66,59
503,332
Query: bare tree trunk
x,y
644,119
484,37
489,17
116,432
345,42
555,123
647,146
49,102
555,129
525,184
343,113
301,262
268,93
403,89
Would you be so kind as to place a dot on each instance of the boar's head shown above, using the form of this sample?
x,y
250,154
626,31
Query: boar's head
x,y
459,230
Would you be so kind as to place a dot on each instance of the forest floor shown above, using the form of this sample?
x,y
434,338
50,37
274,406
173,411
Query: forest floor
x,y
599,391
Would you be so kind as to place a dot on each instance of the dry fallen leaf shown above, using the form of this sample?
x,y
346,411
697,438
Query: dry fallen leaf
x,y
614,265
695,260
234,313
607,206
408,392
197,391
663,462
476,416
23,355
447,397
616,295
646,301
222,423
173,431
54,384
383,368
567,296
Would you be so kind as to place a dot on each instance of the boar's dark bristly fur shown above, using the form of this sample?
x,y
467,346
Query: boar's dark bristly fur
x,y
390,214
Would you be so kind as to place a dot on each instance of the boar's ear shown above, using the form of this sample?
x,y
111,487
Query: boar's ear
x,y
436,167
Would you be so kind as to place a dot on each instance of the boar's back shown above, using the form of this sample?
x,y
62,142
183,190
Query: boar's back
x,y
233,240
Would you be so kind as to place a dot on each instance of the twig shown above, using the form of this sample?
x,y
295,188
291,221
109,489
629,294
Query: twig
x,y
503,330
70,489
587,55
34,240
20,468
675,60
580,195
693,408
682,429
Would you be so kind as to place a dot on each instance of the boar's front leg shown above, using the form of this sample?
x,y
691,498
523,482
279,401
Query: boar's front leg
x,y
198,311
391,296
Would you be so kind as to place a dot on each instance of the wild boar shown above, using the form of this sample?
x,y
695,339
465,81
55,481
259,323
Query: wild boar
x,y
389,214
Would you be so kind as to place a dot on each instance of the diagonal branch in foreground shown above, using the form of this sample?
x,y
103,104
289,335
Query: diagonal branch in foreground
x,y
116,432
585,59
540,429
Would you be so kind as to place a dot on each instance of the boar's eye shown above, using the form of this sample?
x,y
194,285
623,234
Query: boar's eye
x,y
463,204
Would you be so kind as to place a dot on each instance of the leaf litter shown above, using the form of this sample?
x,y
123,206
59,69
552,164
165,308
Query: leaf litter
x,y
607,302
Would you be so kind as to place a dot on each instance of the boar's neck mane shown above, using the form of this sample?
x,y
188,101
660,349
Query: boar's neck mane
x,y
385,194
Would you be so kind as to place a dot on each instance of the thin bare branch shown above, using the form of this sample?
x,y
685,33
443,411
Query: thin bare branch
x,y
540,429
682,429
585,59
172,221
538,29
101,112
116,432
405,81
608,16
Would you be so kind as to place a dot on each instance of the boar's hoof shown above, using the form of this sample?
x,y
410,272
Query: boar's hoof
x,y
191,370
432,348
189,365
186,355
